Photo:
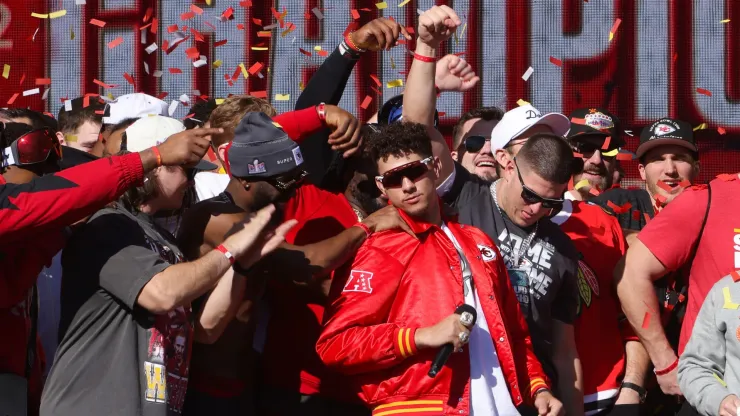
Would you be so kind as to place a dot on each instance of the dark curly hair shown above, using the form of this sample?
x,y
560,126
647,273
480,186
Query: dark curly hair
x,y
398,139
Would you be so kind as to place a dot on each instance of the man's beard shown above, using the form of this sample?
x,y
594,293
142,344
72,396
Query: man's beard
x,y
487,177
262,198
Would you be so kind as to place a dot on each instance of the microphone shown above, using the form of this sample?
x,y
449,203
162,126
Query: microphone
x,y
444,353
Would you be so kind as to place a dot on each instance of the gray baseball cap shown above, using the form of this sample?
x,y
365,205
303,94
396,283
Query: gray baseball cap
x,y
261,149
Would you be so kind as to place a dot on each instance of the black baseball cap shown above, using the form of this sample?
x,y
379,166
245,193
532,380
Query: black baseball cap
x,y
595,123
392,111
666,131
261,149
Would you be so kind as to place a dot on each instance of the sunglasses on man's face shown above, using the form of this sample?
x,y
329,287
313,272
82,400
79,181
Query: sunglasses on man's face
x,y
588,150
33,147
413,171
531,197
473,144
289,181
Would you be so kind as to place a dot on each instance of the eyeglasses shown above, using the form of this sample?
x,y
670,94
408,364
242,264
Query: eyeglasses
x,y
413,171
588,150
289,181
33,147
531,197
473,144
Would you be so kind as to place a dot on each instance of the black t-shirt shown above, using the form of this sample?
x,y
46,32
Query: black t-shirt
x,y
634,218
545,280
115,358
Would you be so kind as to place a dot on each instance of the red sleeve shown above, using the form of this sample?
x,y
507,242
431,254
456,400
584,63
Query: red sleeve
x,y
356,337
300,124
516,323
54,201
687,212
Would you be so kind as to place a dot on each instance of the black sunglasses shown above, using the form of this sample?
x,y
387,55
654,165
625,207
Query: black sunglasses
x,y
414,170
473,144
588,150
531,197
289,181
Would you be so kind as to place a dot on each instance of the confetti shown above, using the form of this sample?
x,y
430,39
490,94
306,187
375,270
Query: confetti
x,y
701,126
148,14
729,304
175,71
305,52
576,120
151,48
282,97
355,14
243,70
375,78
636,215
619,209
103,84
725,21
39,15
323,53
721,130
528,73
264,34
98,23
259,94
255,68
684,183
582,183
646,320
187,16
382,5
12,99
200,62
521,102
318,13
614,28
192,52
23,78
43,81
735,275
195,9
259,48
70,138
217,63
664,186
393,84
220,43
702,91
31,92
129,78
556,61
366,102
172,107
172,28
403,3
115,42
606,144
6,71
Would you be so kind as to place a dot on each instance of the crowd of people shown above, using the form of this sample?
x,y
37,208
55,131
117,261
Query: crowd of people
x,y
243,262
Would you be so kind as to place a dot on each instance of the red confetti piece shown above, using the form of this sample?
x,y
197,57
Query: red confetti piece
x,y
684,183
43,81
195,9
12,99
675,56
145,27
236,74
702,91
259,94
735,275
23,78
307,16
256,21
615,26
247,3
647,217
355,14
624,156
211,154
375,78
209,25
377,91
721,130
594,191
305,52
636,215
556,61
172,28
255,68
187,16
660,201
264,34
98,23
664,186
726,177
155,25
576,120
192,53
646,320
619,209
198,36
577,155
228,13
240,26
322,53
165,44
148,14
162,95
103,84
115,42
366,102
129,78
410,29
442,114
175,71
607,141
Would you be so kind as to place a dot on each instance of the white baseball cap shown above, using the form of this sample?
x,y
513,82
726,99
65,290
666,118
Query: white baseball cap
x,y
152,131
518,120
135,105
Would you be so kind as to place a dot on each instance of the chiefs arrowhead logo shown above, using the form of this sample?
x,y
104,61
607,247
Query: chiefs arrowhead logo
x,y
487,253
662,129
359,281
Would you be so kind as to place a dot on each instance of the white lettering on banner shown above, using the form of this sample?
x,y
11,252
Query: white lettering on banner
x,y
652,63
549,40
710,64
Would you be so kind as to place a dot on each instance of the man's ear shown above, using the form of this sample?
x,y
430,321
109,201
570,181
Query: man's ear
x,y
222,151
381,188
697,169
60,137
641,169
454,155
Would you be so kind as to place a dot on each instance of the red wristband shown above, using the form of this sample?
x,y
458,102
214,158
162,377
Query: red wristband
x,y
365,228
158,155
667,369
321,110
227,253
423,58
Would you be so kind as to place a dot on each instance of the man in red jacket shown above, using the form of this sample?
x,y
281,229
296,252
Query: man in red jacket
x,y
34,211
390,313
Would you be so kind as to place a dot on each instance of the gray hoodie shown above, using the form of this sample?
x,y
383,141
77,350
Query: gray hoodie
x,y
709,368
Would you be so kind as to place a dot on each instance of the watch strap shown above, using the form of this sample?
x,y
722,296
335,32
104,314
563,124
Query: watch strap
x,y
639,389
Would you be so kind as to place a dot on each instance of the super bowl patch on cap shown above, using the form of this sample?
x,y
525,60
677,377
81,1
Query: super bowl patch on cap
x,y
598,120
297,156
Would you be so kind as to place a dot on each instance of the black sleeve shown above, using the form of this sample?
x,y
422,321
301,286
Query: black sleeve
x,y
326,86
465,188
118,252
565,306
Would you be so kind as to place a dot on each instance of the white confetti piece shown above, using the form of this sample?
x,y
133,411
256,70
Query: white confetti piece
x,y
146,68
46,94
157,74
318,13
34,91
67,105
173,107
79,2
151,48
628,132
528,73
184,99
143,37
270,27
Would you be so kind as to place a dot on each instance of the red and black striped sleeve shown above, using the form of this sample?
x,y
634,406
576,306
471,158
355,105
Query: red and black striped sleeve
x,y
54,201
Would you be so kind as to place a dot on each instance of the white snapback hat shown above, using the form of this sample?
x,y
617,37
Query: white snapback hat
x,y
152,131
518,120
135,105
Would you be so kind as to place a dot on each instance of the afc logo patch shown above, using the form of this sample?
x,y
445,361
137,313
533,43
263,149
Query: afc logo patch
x,y
487,253
359,281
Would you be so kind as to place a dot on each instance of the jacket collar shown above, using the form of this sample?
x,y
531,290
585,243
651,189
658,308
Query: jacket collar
x,y
419,226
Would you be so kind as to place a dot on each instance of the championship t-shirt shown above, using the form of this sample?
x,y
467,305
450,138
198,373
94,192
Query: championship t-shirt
x,y
671,237
545,278
115,357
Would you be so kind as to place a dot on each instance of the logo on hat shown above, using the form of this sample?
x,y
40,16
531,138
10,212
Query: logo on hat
x,y
256,167
663,129
599,120
533,114
297,156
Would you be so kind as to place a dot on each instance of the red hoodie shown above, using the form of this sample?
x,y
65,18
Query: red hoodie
x,y
32,221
